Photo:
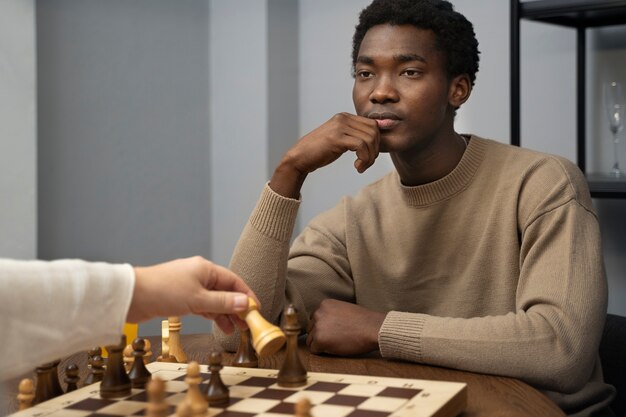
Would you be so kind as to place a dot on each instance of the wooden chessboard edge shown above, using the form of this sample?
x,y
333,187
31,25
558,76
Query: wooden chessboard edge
x,y
455,406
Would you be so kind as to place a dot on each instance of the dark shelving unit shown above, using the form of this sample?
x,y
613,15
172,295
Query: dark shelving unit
x,y
580,15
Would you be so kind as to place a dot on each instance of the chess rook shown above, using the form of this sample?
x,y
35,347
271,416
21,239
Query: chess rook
x,y
176,347
266,338
292,373
246,356
48,385
115,382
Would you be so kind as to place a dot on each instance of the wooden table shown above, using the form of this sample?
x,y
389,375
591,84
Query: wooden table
x,y
487,395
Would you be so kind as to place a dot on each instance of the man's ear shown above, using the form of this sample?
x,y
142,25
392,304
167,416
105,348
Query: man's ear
x,y
460,90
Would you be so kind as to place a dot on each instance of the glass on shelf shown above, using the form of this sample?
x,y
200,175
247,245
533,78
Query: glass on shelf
x,y
614,106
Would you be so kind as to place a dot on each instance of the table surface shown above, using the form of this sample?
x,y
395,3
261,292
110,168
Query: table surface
x,y
487,395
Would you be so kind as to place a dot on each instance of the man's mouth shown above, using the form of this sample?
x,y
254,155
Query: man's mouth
x,y
385,120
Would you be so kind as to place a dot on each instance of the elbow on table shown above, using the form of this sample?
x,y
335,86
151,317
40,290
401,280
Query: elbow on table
x,y
566,373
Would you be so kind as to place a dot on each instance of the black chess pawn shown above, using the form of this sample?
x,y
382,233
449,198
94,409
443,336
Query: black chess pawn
x,y
216,392
139,374
95,375
246,356
48,385
71,377
292,373
115,382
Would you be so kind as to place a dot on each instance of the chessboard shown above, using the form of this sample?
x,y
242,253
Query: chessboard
x,y
255,392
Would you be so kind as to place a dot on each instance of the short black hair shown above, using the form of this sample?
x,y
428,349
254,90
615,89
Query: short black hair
x,y
454,34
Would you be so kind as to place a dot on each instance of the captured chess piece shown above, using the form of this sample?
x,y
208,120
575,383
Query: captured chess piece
x,y
157,406
195,398
176,347
246,356
48,385
266,338
217,393
292,373
139,374
165,355
71,377
115,382
26,394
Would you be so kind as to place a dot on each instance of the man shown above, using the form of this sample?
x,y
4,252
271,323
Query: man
x,y
472,254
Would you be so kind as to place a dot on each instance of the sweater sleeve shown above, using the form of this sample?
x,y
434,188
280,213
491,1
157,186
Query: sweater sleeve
x,y
49,310
551,339
316,264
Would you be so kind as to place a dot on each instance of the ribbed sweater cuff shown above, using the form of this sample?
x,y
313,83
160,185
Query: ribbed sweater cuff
x,y
400,336
275,215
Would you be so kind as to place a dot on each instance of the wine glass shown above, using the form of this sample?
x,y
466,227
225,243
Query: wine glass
x,y
614,105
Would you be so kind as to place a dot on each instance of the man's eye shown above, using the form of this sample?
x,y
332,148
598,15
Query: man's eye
x,y
364,74
411,72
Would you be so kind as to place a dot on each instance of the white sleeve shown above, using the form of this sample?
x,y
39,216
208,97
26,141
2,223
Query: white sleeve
x,y
52,309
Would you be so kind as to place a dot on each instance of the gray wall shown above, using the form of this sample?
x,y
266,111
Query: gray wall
x,y
160,121
124,151
18,182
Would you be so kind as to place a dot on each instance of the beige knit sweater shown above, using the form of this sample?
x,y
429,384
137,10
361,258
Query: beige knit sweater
x,y
496,268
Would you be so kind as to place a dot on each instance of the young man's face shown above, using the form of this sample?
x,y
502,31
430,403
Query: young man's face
x,y
400,79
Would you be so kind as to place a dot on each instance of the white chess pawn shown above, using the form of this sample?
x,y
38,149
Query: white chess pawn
x,y
26,394
198,404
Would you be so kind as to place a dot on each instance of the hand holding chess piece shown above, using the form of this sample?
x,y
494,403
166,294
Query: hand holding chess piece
x,y
266,338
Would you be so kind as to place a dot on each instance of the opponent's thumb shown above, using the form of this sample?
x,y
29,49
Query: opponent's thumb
x,y
224,302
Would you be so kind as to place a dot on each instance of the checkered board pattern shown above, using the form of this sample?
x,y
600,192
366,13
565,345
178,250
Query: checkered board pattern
x,y
255,393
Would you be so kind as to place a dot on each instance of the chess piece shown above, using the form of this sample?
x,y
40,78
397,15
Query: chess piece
x,y
127,354
176,347
267,339
147,356
71,377
302,408
115,382
48,385
165,346
26,394
95,373
139,374
198,404
245,356
292,373
183,409
157,406
217,393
